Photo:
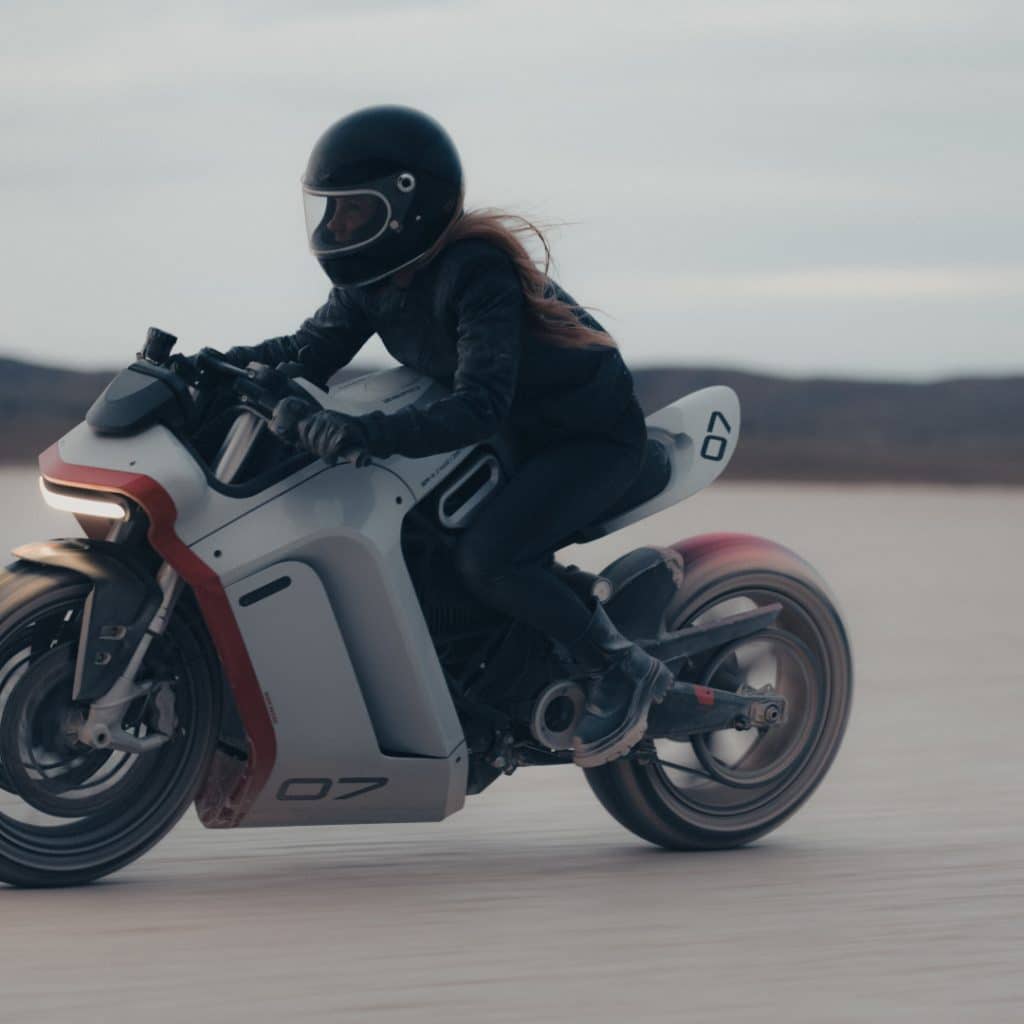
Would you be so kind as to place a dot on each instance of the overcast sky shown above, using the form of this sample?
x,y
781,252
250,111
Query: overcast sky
x,y
802,186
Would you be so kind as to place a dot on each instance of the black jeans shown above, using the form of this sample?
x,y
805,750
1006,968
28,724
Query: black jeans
x,y
566,481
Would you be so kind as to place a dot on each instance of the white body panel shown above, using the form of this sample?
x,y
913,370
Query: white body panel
x,y
343,654
330,767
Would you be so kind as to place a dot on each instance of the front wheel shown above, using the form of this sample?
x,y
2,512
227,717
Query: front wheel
x,y
730,788
70,813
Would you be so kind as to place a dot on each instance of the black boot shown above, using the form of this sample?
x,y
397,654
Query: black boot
x,y
629,680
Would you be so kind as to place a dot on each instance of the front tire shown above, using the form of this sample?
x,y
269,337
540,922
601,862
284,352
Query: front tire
x,y
70,814
670,800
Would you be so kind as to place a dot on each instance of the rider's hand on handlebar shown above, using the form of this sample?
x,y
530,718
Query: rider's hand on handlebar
x,y
288,413
328,434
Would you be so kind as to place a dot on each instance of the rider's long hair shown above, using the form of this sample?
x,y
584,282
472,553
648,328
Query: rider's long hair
x,y
552,319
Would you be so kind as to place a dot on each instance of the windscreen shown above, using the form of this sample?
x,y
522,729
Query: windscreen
x,y
342,221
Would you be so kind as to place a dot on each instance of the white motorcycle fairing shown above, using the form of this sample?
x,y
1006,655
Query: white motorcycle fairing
x,y
311,607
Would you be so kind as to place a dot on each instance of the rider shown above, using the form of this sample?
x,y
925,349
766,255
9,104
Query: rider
x,y
457,296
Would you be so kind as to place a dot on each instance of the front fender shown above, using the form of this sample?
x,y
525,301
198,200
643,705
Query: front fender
x,y
122,603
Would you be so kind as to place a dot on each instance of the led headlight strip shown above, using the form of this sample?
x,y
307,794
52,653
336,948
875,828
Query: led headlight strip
x,y
98,507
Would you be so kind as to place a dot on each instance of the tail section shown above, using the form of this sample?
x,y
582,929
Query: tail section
x,y
698,433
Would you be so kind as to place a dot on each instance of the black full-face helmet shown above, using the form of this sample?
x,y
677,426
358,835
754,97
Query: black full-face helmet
x,y
381,186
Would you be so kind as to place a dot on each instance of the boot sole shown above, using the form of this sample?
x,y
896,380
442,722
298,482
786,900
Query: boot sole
x,y
620,742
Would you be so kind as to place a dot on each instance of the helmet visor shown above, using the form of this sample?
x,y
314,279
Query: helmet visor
x,y
343,221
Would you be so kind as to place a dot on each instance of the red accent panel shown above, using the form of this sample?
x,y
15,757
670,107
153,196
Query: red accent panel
x,y
704,695
228,810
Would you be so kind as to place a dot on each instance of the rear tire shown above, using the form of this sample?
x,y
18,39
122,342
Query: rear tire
x,y
678,810
128,802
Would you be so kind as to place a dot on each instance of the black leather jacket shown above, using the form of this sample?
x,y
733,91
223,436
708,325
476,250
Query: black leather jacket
x,y
462,321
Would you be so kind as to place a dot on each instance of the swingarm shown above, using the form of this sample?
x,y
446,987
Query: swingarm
x,y
689,708
692,708
672,648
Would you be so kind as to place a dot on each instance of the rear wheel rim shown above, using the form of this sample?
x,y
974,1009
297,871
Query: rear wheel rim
x,y
711,806
763,757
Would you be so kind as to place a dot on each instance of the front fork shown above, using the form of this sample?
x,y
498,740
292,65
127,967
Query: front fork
x,y
103,726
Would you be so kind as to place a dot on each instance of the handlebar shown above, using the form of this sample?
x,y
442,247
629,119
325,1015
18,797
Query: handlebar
x,y
206,360
260,388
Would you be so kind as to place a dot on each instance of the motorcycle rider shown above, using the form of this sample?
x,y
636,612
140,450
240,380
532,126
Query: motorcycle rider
x,y
457,296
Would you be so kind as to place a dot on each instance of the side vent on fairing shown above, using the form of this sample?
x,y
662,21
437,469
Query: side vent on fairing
x,y
465,493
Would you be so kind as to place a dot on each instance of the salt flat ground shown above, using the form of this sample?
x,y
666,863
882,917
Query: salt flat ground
x,y
897,893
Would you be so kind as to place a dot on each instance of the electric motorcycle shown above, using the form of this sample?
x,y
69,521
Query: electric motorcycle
x,y
285,642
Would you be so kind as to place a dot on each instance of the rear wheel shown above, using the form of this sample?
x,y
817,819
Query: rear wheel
x,y
728,788
70,813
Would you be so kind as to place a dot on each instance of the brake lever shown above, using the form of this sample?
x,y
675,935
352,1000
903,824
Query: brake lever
x,y
207,361
261,388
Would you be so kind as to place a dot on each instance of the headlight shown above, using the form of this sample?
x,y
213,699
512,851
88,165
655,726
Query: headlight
x,y
65,501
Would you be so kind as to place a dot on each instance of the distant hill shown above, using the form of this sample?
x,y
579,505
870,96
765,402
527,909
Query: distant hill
x,y
967,430
954,431
40,403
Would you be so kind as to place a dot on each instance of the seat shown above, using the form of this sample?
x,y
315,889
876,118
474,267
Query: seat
x,y
655,473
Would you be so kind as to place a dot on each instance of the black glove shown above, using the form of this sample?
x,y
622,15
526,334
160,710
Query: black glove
x,y
288,413
333,435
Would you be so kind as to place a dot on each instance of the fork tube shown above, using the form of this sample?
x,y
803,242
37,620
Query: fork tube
x,y
170,584
244,433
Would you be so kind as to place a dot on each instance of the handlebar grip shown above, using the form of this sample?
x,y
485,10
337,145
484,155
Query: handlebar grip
x,y
208,359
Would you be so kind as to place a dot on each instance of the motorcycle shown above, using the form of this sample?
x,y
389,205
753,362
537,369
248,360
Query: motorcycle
x,y
285,642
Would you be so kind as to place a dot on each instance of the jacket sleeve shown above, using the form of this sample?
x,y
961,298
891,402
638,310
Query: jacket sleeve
x,y
325,342
487,300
